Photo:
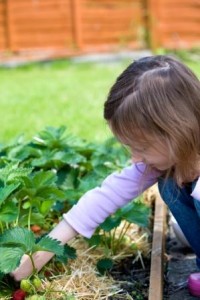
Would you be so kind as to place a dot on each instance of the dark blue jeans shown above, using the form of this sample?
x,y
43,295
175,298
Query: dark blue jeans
x,y
185,209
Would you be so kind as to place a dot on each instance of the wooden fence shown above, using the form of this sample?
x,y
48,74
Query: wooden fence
x,y
69,24
88,25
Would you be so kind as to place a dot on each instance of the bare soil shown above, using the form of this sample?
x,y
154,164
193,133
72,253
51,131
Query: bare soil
x,y
133,278
181,262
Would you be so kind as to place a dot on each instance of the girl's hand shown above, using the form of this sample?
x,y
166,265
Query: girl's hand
x,y
25,268
63,232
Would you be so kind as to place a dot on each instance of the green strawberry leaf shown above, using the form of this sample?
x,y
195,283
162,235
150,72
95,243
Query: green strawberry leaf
x,y
51,192
104,265
69,252
10,258
6,191
22,152
51,245
110,223
36,218
23,237
14,173
45,206
8,212
136,212
95,240
44,178
70,157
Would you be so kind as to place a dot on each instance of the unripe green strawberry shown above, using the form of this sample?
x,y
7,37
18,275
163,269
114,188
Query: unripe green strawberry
x,y
37,282
25,285
36,297
46,227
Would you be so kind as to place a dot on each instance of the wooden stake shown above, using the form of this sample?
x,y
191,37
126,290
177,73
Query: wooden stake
x,y
156,273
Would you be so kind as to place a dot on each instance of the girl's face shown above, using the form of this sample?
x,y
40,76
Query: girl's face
x,y
155,154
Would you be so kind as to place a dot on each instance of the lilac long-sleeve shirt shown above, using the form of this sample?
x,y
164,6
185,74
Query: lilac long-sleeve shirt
x,y
116,191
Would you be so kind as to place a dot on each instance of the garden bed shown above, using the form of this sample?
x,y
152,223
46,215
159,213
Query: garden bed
x,y
138,277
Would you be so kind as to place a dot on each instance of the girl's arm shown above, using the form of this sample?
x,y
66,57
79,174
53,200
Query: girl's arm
x,y
92,209
116,191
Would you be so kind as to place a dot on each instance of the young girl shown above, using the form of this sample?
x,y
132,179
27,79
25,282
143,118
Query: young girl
x,y
154,109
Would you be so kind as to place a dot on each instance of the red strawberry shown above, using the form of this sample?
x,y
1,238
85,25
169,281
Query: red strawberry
x,y
35,228
18,295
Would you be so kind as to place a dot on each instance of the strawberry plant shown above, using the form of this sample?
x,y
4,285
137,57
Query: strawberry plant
x,y
106,234
26,196
37,196
41,179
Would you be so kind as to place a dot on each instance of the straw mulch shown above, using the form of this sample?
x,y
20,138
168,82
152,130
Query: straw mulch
x,y
81,279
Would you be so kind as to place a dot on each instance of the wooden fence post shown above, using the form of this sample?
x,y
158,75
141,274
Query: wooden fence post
x,y
77,23
10,46
154,14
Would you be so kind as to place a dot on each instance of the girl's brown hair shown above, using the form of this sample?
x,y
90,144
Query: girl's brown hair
x,y
160,96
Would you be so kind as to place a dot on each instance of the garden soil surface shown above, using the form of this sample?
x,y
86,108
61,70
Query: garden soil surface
x,y
133,278
179,264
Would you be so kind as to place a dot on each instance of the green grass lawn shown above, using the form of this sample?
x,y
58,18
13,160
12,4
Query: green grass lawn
x,y
54,94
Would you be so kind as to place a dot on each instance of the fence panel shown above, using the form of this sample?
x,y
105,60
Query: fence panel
x,y
112,23
36,24
175,24
73,24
